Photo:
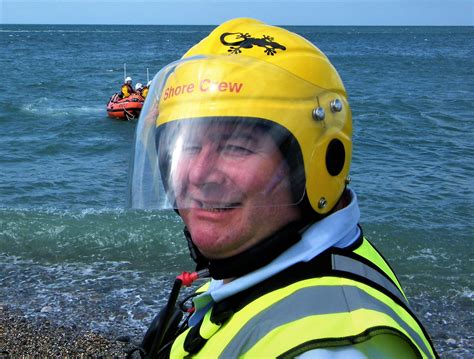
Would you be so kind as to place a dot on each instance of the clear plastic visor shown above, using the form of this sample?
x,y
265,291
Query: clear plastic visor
x,y
213,149
224,163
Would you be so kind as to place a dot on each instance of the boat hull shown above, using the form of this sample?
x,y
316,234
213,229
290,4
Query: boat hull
x,y
125,109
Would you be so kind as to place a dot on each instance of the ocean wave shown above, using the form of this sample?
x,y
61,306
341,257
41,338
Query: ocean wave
x,y
46,106
108,296
425,253
88,235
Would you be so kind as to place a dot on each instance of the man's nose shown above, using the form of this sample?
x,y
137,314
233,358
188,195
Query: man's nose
x,y
205,167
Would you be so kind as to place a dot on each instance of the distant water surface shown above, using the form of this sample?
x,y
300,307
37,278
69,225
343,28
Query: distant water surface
x,y
71,251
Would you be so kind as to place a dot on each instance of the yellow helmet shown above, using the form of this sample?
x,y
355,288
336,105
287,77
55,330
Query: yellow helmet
x,y
247,69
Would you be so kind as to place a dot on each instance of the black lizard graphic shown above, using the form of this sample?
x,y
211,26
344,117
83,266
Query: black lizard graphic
x,y
246,41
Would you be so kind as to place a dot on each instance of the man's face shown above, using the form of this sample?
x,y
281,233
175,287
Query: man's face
x,y
232,188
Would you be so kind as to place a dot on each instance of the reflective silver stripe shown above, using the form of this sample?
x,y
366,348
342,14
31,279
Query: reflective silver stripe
x,y
346,264
304,303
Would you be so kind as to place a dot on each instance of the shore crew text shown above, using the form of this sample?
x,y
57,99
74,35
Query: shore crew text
x,y
205,85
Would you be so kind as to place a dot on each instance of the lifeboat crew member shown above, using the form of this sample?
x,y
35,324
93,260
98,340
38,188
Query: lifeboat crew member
x,y
127,88
146,89
253,141
139,88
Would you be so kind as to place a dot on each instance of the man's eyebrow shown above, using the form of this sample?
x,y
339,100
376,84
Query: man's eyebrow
x,y
244,136
249,137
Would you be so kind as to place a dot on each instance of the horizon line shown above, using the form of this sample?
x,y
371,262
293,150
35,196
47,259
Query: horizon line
x,y
167,24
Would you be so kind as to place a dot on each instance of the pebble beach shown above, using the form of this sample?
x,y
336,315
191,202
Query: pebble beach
x,y
23,337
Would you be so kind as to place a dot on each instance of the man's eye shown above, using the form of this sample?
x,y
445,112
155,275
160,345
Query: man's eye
x,y
191,148
236,150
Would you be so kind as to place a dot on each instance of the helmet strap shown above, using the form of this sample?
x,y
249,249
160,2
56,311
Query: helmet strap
x,y
201,261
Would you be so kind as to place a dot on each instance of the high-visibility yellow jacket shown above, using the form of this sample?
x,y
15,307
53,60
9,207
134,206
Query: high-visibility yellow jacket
x,y
126,90
344,299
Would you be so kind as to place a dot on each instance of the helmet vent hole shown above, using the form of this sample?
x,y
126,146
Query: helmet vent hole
x,y
335,157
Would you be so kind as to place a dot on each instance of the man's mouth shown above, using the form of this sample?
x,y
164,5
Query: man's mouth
x,y
217,207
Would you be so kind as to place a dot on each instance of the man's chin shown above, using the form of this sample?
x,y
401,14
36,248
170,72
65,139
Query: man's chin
x,y
210,245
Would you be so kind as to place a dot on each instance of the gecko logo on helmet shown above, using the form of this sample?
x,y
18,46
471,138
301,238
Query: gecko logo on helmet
x,y
246,41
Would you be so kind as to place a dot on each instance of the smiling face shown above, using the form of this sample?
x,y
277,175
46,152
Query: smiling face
x,y
232,187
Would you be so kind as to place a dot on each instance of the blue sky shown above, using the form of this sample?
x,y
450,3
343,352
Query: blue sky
x,y
289,12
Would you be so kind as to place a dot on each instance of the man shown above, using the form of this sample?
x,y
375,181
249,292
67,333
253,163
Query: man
x,y
248,138
139,88
146,89
127,88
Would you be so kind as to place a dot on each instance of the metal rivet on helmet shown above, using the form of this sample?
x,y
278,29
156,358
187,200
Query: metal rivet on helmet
x,y
319,114
336,105
322,203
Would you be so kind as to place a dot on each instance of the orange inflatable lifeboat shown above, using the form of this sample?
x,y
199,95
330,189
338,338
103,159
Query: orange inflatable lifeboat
x,y
127,108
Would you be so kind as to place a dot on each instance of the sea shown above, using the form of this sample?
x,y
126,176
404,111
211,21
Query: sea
x,y
72,252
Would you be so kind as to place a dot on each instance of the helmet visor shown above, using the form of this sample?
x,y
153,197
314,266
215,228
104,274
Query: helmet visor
x,y
224,163
213,134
